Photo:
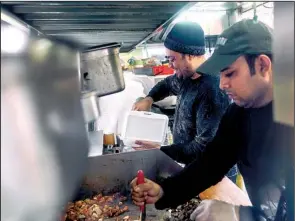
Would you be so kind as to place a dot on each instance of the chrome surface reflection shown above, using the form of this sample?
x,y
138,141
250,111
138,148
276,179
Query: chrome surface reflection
x,y
44,143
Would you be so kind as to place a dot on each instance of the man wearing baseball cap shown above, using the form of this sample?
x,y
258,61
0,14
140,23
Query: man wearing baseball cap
x,y
261,147
200,102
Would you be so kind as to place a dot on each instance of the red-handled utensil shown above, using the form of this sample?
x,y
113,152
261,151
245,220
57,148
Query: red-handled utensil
x,y
140,180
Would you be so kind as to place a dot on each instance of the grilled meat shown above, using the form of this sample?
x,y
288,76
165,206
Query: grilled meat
x,y
97,208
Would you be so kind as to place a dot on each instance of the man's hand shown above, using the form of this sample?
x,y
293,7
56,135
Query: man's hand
x,y
148,192
214,210
143,105
145,145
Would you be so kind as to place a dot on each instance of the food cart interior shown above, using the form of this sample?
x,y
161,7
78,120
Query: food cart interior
x,y
76,68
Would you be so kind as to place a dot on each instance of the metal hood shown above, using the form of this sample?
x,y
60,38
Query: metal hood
x,y
93,23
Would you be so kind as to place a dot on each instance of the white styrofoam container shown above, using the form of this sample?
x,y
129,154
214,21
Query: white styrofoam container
x,y
144,126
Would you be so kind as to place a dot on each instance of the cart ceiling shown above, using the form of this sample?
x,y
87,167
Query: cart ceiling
x,y
91,24
211,7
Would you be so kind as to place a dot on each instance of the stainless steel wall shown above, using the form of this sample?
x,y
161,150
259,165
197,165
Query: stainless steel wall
x,y
284,82
44,144
284,62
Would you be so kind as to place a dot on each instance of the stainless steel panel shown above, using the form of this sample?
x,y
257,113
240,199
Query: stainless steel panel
x,y
90,106
93,10
104,69
108,173
283,76
44,144
153,14
106,4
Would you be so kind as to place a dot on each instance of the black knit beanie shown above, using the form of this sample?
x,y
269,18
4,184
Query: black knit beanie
x,y
186,38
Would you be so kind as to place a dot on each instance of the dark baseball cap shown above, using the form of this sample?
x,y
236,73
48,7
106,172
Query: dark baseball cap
x,y
244,37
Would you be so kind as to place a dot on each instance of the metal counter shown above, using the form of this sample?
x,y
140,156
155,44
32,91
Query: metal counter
x,y
112,173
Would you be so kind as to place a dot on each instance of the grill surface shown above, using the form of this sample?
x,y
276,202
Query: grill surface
x,y
113,173
133,213
151,213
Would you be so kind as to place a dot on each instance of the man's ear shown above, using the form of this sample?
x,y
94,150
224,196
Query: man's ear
x,y
263,65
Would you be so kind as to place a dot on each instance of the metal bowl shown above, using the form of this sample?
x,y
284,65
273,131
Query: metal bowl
x,y
104,69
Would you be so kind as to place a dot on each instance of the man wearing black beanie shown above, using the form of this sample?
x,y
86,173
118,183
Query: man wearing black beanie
x,y
200,102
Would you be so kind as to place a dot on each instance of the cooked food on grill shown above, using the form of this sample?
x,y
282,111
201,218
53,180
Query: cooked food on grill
x,y
183,212
96,208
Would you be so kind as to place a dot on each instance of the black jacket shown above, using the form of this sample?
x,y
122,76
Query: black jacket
x,y
263,152
199,109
